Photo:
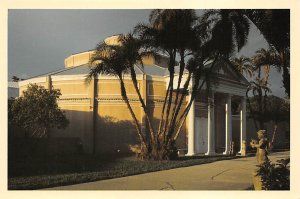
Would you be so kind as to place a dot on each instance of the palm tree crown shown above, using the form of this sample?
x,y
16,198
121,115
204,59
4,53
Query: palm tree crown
x,y
229,29
243,65
266,58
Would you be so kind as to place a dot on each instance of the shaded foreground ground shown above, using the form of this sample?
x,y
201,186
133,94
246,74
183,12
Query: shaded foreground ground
x,y
42,172
232,174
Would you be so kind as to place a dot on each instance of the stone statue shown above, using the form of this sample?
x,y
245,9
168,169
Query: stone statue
x,y
261,147
261,156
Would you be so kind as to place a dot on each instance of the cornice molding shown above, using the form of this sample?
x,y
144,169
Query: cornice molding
x,y
115,99
73,99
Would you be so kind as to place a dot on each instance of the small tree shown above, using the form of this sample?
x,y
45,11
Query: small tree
x,y
37,111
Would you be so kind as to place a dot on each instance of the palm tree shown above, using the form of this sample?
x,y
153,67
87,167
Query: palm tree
x,y
243,65
266,58
226,30
263,58
196,70
172,32
229,30
275,27
110,60
219,33
133,54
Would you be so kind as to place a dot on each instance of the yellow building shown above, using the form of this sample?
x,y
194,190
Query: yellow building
x,y
100,119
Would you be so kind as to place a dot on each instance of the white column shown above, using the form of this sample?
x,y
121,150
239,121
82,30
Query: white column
x,y
228,123
48,82
211,126
243,127
191,128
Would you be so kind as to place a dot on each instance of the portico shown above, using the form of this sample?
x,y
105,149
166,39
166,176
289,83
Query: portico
x,y
210,117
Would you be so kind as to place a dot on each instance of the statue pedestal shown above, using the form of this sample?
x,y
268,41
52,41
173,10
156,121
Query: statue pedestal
x,y
257,181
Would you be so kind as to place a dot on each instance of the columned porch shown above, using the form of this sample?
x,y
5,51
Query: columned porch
x,y
210,124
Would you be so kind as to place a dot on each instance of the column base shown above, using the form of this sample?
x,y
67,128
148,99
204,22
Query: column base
x,y
226,153
210,153
190,154
242,153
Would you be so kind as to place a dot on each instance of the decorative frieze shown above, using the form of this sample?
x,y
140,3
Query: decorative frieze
x,y
115,99
74,99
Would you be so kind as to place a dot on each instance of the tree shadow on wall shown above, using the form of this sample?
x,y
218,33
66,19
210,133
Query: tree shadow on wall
x,y
61,154
70,150
113,136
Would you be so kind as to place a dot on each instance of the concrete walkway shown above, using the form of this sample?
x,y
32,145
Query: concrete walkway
x,y
221,175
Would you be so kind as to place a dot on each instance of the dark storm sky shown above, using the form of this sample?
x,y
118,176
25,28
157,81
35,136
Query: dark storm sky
x,y
40,40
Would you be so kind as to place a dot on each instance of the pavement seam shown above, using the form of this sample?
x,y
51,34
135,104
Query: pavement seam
x,y
212,178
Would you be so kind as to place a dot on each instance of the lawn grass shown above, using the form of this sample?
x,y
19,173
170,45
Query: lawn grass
x,y
29,173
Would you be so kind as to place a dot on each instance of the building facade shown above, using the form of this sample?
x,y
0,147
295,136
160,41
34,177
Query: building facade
x,y
100,119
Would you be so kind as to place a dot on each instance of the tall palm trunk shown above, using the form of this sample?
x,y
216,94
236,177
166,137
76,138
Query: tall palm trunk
x,y
185,87
259,100
142,138
186,84
161,123
135,84
260,109
171,126
266,73
183,117
171,82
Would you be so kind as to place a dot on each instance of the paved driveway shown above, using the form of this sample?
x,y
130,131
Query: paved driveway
x,y
222,175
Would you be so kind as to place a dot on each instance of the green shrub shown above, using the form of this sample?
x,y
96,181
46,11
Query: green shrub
x,y
275,176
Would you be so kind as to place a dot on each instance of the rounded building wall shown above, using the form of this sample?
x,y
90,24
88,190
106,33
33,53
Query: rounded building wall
x,y
78,59
84,57
114,128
